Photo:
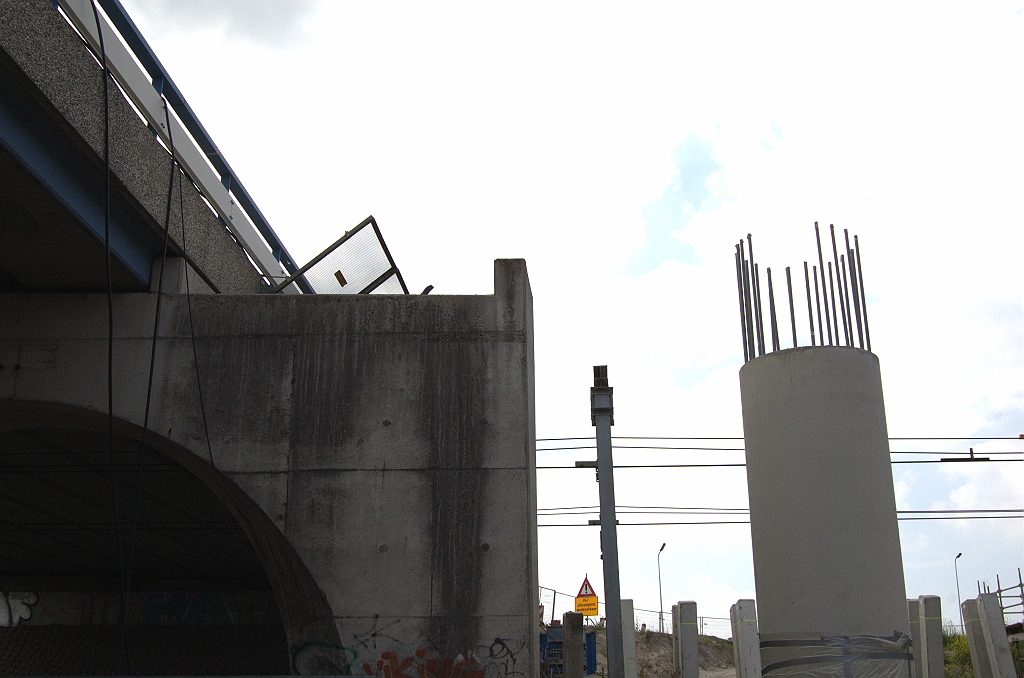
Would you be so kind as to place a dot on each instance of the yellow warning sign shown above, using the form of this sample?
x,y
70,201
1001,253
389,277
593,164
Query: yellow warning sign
x,y
587,605
586,600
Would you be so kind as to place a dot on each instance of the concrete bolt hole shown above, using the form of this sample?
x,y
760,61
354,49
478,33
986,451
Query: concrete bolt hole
x,y
387,422
485,547
383,548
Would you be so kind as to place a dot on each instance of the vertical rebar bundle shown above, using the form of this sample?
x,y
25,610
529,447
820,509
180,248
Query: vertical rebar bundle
x,y
851,305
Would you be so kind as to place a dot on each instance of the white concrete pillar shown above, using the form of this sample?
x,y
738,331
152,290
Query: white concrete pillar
x,y
976,639
826,544
677,657
746,642
735,640
688,649
933,663
574,654
628,639
915,635
993,628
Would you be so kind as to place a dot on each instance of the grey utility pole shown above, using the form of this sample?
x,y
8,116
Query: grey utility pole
x,y
602,417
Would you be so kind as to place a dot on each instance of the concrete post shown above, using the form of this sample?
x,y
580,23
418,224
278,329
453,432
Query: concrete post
x,y
745,639
997,645
677,657
915,635
735,641
573,652
933,662
976,639
688,639
628,640
602,417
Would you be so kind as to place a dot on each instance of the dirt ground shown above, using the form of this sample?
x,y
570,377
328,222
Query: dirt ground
x,y
654,656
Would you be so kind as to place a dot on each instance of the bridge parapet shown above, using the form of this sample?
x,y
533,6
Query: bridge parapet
x,y
55,156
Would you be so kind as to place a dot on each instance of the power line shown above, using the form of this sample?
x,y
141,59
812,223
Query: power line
x,y
741,438
919,461
676,510
747,522
742,449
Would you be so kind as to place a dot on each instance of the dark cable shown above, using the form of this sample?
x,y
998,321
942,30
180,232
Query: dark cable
x,y
122,630
152,363
218,479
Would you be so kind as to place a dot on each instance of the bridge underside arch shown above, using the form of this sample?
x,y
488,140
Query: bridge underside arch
x,y
200,599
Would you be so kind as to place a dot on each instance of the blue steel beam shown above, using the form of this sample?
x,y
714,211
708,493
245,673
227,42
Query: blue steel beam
x,y
70,178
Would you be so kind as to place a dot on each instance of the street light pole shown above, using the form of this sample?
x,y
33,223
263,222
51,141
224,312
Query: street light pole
x,y
661,604
959,605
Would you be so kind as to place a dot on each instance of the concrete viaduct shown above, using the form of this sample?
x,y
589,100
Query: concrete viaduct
x,y
332,484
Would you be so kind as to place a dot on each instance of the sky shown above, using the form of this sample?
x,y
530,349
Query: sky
x,y
622,149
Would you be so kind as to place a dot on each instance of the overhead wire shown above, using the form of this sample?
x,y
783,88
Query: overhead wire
x,y
122,628
217,476
152,364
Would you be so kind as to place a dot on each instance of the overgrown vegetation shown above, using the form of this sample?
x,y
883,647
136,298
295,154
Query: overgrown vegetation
x,y
957,655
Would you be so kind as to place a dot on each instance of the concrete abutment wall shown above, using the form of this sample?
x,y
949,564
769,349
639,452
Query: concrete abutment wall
x,y
379,452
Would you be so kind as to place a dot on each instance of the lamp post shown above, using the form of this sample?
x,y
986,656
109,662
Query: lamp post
x,y
959,605
661,604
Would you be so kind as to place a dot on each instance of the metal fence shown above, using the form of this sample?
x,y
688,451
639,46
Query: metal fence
x,y
556,603
357,263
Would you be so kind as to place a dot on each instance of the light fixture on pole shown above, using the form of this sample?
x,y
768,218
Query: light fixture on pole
x,y
959,605
661,604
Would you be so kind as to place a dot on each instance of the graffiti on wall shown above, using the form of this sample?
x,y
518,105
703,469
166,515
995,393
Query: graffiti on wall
x,y
495,661
16,607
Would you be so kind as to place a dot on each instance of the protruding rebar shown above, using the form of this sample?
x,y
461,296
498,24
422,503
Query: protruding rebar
x,y
771,310
747,291
863,296
739,291
755,282
821,267
792,310
839,282
832,290
749,310
761,344
853,283
845,288
851,304
855,290
810,312
817,299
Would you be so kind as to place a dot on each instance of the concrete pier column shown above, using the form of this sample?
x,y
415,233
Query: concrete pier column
x,y
573,651
915,634
628,639
688,639
997,645
745,639
826,544
933,663
976,639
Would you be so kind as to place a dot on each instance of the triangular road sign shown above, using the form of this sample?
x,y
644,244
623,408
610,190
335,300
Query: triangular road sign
x,y
586,589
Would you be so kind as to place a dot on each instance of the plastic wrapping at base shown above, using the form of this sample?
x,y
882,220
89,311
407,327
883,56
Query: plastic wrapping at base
x,y
839,657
